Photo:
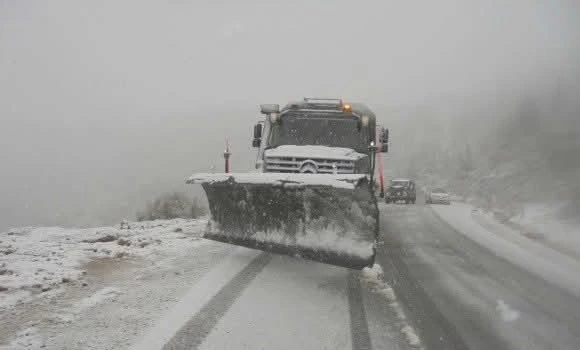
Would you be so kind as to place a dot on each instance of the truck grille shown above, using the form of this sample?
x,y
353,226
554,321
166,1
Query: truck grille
x,y
293,165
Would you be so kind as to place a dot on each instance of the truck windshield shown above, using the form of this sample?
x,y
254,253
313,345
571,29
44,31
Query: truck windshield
x,y
320,130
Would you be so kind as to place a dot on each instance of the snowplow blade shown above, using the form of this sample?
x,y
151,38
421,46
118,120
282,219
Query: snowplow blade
x,y
327,218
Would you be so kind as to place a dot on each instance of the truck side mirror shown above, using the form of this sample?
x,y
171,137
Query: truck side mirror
x,y
258,131
384,139
257,141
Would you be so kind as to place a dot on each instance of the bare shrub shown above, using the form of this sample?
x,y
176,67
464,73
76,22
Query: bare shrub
x,y
170,206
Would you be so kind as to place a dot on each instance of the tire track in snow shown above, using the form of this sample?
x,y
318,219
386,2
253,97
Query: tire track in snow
x,y
359,330
436,331
194,332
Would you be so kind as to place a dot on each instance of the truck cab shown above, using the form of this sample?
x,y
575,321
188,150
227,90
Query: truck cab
x,y
318,136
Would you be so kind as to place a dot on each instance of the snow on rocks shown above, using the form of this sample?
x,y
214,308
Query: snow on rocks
x,y
36,261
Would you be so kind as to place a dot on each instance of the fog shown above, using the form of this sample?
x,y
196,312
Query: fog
x,y
104,105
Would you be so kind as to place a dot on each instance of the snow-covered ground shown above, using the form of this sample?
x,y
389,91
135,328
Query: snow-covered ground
x,y
37,261
52,279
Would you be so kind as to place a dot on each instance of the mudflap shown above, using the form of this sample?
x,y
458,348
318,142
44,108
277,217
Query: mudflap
x,y
326,218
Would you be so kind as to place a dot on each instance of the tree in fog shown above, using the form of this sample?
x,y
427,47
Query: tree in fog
x,y
465,170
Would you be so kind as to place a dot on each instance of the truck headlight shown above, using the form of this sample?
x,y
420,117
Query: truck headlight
x,y
365,120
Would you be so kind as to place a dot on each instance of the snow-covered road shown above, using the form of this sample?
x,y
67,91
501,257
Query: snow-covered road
x,y
468,283
447,277
157,285
276,302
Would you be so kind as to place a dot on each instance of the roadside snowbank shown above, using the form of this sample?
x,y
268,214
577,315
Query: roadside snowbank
x,y
373,278
40,261
541,221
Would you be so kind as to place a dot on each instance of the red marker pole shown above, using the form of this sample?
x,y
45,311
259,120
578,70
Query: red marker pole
x,y
379,157
227,154
381,175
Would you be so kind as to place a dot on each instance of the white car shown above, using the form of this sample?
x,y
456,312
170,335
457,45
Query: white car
x,y
438,195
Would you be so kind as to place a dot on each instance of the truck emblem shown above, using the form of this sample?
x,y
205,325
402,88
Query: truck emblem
x,y
308,167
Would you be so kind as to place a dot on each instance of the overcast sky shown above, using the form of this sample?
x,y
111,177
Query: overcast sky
x,y
105,102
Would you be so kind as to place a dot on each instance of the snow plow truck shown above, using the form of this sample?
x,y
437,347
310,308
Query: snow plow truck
x,y
312,194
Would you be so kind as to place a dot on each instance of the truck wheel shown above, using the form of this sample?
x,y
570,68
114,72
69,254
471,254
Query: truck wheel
x,y
406,201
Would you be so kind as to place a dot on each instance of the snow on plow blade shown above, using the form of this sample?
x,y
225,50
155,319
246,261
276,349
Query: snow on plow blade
x,y
328,218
